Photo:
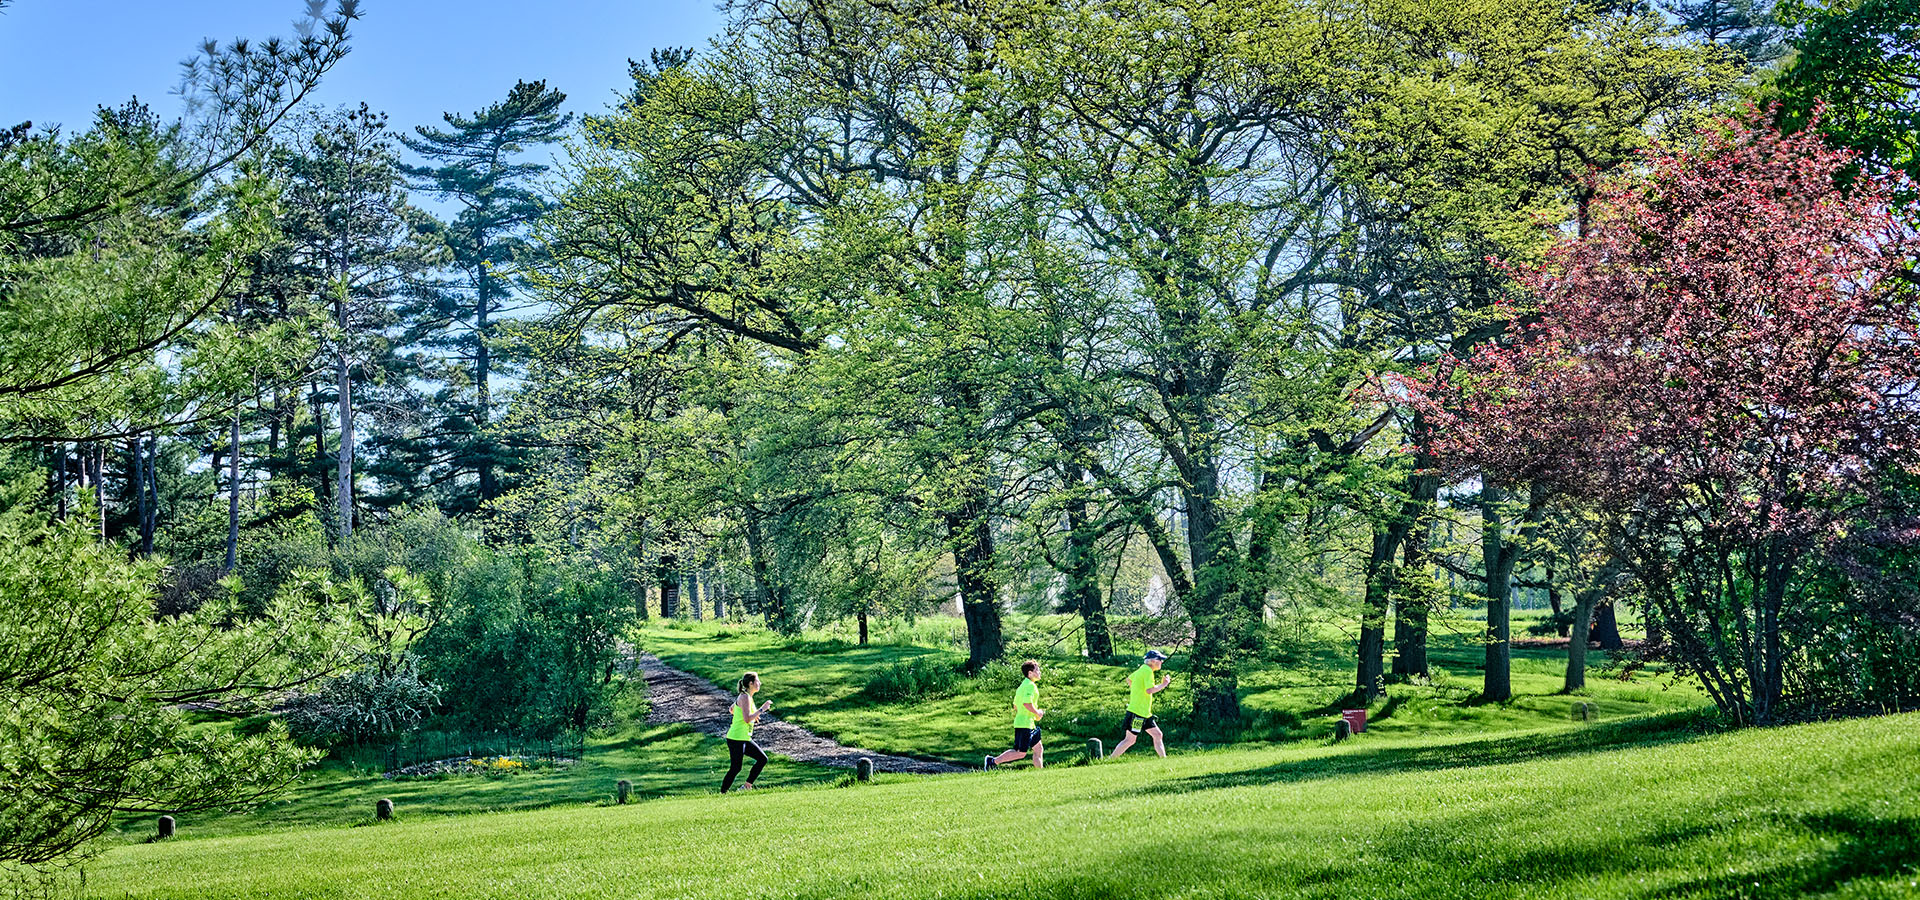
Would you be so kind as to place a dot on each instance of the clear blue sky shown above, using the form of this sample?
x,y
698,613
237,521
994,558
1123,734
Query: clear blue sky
x,y
412,59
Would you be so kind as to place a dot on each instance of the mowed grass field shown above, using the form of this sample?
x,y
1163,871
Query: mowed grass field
x,y
1652,807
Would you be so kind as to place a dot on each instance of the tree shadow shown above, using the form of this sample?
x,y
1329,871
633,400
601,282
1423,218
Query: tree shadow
x,y
1670,728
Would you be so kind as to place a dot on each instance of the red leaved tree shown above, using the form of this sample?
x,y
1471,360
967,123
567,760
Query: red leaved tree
x,y
1723,366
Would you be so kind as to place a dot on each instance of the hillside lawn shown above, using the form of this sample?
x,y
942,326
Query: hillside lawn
x,y
657,759
818,680
1641,808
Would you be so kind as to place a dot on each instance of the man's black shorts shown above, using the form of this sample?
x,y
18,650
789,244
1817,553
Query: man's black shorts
x,y
1025,739
1145,722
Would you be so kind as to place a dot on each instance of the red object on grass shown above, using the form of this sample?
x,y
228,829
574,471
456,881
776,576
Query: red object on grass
x,y
1356,719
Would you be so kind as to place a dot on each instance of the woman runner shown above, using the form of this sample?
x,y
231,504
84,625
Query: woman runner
x,y
740,734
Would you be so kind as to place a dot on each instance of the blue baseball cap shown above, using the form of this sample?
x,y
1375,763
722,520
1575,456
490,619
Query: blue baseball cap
x,y
1155,654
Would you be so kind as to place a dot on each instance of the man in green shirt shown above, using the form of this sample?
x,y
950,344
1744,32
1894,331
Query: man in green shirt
x,y
1140,691
1026,719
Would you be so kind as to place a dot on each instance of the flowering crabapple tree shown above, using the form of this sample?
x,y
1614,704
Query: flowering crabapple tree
x,y
1724,366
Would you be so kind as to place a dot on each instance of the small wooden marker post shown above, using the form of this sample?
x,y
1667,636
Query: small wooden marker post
x,y
1583,712
1095,750
166,827
622,789
383,810
1342,730
863,769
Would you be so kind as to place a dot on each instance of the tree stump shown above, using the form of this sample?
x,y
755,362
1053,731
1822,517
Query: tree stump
x,y
622,789
1342,730
1095,750
166,827
863,769
383,810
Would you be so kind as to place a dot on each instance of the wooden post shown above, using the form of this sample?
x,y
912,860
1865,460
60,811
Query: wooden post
x,y
166,827
383,810
863,769
622,789
1095,750
1342,730
1583,712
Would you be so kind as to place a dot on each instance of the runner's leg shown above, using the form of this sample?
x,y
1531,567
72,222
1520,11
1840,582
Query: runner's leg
x,y
759,761
734,750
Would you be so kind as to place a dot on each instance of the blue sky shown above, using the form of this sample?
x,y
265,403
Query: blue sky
x,y
412,59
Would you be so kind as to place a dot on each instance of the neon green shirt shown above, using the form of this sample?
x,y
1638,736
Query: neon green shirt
x,y
741,730
1027,692
1139,702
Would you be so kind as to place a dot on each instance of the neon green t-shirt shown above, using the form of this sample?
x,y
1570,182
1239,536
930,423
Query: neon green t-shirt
x,y
741,730
1027,692
1139,702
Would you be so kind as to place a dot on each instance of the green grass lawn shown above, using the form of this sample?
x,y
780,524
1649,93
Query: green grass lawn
x,y
658,760
1637,808
818,681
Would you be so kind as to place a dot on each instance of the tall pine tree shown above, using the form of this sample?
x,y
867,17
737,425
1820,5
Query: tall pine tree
x,y
478,162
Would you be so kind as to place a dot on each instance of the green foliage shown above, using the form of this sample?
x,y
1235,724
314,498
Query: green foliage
x,y
97,686
1855,63
525,644
913,679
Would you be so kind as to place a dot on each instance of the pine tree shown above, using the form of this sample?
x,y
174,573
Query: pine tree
x,y
478,162
363,246
1747,27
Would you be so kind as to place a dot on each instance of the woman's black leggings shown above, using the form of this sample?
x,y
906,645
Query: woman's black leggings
x,y
737,749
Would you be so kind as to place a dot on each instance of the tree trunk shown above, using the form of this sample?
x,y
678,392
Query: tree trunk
x,y
972,540
1577,641
320,455
233,496
1083,576
137,482
345,478
483,407
1214,602
1553,601
1606,626
1373,616
692,581
669,577
862,616
770,597
1410,615
151,523
1498,555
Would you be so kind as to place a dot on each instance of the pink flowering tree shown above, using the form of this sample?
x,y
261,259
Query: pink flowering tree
x,y
1724,366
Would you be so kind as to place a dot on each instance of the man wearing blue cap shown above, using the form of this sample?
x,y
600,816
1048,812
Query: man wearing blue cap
x,y
1140,691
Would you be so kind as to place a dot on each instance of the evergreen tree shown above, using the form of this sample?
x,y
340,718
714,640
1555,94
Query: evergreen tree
x,y
363,246
478,162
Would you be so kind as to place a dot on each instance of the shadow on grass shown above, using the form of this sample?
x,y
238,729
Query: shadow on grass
x,y
1868,848
1647,731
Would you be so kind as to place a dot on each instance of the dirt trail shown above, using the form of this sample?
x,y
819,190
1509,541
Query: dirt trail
x,y
677,696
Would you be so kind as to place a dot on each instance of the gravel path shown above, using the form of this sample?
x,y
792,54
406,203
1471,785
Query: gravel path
x,y
676,696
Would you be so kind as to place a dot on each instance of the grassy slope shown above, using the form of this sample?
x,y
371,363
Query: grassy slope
x,y
658,760
1831,809
818,683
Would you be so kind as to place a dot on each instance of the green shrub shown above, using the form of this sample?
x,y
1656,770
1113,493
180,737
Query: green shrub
x,y
913,679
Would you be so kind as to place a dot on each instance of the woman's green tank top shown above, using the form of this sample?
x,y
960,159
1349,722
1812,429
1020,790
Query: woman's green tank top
x,y
742,730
